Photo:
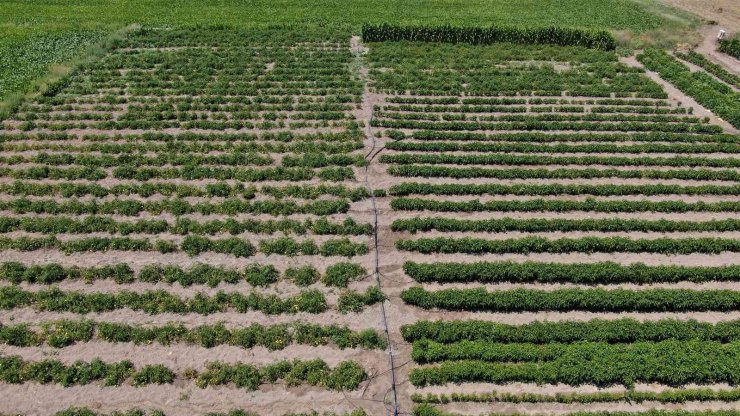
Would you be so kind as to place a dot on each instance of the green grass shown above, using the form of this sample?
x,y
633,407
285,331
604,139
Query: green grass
x,y
36,35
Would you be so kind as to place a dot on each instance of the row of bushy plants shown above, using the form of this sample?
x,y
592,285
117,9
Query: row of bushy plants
x,y
533,225
199,172
527,245
134,207
730,47
182,190
516,160
541,137
682,395
623,330
416,188
544,205
429,410
84,411
433,171
384,32
63,333
160,301
562,147
541,125
338,274
579,273
563,300
538,114
181,226
426,351
193,245
672,363
347,375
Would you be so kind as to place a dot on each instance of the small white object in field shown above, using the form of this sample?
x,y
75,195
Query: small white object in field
x,y
721,35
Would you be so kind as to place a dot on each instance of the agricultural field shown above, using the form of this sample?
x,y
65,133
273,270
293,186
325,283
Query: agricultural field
x,y
560,223
363,218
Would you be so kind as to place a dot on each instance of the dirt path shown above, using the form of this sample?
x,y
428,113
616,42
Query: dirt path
x,y
708,46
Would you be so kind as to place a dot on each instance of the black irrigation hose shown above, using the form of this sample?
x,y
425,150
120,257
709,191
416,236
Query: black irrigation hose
x,y
376,270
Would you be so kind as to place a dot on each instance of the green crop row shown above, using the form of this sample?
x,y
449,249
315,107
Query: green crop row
x,y
408,188
562,300
709,66
183,147
486,35
426,351
730,47
160,301
428,410
289,247
670,362
623,330
430,171
193,245
580,273
283,136
133,207
682,395
181,226
477,146
220,189
347,375
707,91
133,160
625,126
201,172
543,205
338,274
538,114
59,334
512,100
573,137
533,225
527,245
84,411
502,159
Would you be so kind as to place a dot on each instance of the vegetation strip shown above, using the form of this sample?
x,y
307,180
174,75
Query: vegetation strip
x,y
337,274
431,171
182,226
59,334
543,205
527,245
347,375
507,160
159,301
540,137
532,225
682,395
428,410
564,300
623,330
671,365
579,273
192,245
411,188
486,35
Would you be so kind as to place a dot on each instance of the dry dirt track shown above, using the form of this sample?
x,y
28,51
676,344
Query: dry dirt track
x,y
724,12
